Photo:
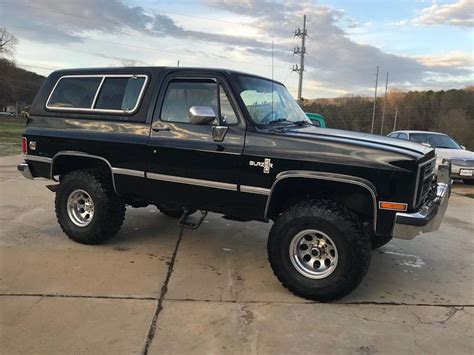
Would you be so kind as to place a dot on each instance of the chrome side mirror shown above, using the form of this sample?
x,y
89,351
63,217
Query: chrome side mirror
x,y
463,147
202,115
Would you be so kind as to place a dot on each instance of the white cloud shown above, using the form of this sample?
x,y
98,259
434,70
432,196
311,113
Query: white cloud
x,y
335,62
460,13
449,60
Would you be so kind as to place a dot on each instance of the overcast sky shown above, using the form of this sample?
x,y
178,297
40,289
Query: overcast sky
x,y
423,44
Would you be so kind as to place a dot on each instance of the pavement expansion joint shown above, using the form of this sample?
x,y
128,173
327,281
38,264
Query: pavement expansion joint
x,y
55,295
164,289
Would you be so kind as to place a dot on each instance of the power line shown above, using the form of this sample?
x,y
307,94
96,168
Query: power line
x,y
154,12
129,45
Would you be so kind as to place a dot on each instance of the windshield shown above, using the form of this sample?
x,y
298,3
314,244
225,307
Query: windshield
x,y
269,103
435,140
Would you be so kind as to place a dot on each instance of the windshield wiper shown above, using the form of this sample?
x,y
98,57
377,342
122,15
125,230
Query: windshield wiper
x,y
284,120
279,120
303,123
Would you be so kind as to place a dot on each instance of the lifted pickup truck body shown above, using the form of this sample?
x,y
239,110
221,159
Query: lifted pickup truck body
x,y
225,156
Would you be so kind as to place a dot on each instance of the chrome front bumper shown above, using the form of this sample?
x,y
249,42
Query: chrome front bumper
x,y
24,169
429,217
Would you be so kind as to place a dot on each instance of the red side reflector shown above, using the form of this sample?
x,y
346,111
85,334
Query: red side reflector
x,y
23,145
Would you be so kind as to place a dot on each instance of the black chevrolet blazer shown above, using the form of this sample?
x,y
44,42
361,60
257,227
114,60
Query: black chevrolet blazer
x,y
188,139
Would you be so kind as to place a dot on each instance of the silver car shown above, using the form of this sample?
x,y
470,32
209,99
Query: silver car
x,y
462,160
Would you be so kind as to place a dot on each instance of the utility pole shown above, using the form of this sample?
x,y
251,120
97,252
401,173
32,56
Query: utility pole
x,y
375,100
395,121
383,110
301,51
177,64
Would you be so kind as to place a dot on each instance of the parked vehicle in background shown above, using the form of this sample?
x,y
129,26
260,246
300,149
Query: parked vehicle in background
x,y
188,139
317,119
447,149
7,114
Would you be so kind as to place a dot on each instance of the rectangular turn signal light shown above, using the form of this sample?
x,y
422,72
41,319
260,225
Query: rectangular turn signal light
x,y
393,206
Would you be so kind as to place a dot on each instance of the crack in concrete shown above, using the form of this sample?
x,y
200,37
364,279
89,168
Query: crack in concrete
x,y
164,289
415,338
348,306
452,311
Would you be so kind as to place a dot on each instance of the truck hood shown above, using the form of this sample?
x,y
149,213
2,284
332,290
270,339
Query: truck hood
x,y
382,142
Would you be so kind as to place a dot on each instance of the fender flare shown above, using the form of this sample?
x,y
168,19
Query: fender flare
x,y
82,155
348,179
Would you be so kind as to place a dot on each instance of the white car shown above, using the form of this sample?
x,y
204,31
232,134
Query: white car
x,y
462,160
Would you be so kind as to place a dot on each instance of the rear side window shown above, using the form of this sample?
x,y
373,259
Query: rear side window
x,y
119,93
101,93
74,92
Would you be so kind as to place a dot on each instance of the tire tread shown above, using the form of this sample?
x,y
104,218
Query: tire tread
x,y
113,213
347,223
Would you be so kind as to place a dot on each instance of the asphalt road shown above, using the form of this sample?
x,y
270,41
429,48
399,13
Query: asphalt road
x,y
211,290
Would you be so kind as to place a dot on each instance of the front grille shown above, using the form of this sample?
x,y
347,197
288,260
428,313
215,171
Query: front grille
x,y
463,162
426,173
429,169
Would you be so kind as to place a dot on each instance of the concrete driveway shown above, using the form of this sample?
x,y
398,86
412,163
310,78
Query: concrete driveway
x,y
159,289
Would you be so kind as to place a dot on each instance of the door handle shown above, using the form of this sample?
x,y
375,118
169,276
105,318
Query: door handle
x,y
158,129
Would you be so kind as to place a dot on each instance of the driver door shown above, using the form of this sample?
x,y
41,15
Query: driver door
x,y
191,165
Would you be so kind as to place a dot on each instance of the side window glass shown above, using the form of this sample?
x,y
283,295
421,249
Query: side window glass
x,y
403,136
119,93
74,92
182,95
228,115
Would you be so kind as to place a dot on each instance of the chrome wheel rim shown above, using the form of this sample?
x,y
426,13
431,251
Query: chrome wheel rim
x,y
80,208
313,254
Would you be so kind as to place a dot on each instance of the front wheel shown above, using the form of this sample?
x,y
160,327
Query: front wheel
x,y
318,251
87,208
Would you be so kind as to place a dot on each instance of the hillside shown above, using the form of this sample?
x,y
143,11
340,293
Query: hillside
x,y
17,84
450,111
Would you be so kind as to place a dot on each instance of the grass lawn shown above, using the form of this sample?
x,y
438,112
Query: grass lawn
x,y
11,130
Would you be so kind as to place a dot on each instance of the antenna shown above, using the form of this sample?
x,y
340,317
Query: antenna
x,y
272,77
272,60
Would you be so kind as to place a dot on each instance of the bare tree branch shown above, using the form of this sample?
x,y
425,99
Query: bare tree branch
x,y
8,42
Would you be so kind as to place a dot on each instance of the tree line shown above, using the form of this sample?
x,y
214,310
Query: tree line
x,y
17,84
446,111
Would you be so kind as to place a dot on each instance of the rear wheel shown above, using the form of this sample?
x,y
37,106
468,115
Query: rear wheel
x,y
87,208
318,250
